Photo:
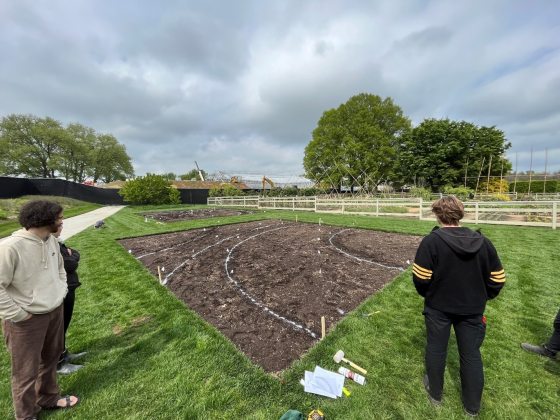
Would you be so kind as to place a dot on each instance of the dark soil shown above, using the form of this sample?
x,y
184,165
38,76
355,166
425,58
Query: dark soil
x,y
265,285
174,216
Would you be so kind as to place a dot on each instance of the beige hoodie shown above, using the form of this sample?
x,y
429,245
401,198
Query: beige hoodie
x,y
32,276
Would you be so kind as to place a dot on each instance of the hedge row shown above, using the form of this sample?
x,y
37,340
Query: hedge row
x,y
552,186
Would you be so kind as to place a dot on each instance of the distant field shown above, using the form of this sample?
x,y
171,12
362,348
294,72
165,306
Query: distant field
x,y
9,209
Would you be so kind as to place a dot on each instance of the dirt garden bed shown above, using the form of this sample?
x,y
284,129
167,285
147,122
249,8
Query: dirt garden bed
x,y
175,216
266,284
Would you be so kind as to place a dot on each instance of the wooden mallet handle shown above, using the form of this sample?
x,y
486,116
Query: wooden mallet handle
x,y
355,366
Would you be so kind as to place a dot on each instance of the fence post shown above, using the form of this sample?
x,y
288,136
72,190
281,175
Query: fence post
x,y
343,208
554,214
377,207
315,201
293,203
476,213
420,209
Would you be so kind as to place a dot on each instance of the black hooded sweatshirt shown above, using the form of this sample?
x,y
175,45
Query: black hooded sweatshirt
x,y
70,266
457,270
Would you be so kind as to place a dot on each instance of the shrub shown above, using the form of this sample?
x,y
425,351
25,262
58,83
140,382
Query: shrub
x,y
495,186
3,214
224,190
423,193
461,193
150,189
497,197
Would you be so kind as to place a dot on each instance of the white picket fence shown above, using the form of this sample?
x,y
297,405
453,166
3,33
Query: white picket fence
x,y
524,213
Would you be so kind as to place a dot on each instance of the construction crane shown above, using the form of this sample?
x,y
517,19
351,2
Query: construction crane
x,y
199,171
264,181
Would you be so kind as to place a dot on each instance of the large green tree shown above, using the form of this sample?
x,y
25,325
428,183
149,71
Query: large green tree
x,y
109,160
440,153
30,146
76,153
41,147
356,143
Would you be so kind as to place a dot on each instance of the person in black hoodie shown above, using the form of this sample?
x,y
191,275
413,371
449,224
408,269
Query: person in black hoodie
x,y
457,271
71,259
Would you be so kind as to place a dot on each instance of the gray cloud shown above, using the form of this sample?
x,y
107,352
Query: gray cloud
x,y
241,85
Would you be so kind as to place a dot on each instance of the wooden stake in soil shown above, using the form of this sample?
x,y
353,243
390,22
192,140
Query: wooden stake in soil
x,y
159,273
323,327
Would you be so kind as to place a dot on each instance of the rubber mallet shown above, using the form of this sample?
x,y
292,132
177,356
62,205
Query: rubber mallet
x,y
339,356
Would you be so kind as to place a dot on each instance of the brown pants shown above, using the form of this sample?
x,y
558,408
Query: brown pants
x,y
35,346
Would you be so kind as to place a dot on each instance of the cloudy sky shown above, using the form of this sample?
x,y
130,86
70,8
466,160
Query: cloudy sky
x,y
240,85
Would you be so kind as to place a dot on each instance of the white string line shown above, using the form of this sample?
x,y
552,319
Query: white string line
x,y
166,279
173,246
261,305
390,267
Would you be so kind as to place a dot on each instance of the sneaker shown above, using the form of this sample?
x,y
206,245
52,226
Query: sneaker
x,y
434,401
540,350
68,368
70,357
470,413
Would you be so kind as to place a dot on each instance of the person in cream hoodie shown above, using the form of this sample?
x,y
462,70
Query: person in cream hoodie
x,y
32,289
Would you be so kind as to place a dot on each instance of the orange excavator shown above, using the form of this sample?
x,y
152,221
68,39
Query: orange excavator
x,y
265,180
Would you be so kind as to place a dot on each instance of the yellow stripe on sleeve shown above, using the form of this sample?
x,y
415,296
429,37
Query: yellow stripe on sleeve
x,y
421,275
498,279
422,269
497,273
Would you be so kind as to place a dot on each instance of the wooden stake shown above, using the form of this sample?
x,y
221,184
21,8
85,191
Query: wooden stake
x,y
530,173
323,328
159,273
479,173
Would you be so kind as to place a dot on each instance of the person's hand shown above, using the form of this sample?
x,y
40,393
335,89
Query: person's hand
x,y
27,317
69,251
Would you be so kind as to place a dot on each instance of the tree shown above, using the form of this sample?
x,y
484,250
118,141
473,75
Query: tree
x,y
109,162
170,176
41,147
356,143
192,175
76,152
441,153
150,189
30,146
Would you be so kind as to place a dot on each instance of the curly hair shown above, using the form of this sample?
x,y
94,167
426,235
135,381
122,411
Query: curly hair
x,y
449,210
39,213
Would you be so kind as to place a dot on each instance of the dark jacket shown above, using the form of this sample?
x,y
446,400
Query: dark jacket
x,y
457,270
70,265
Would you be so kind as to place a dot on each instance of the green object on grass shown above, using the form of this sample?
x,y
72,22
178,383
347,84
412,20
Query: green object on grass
x,y
292,415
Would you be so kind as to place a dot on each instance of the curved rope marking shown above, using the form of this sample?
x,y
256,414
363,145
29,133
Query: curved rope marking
x,y
166,279
390,267
171,247
261,305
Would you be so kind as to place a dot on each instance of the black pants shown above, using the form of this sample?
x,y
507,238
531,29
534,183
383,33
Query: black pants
x,y
554,342
68,306
469,331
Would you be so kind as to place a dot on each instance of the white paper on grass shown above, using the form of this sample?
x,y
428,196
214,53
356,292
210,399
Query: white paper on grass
x,y
324,382
309,386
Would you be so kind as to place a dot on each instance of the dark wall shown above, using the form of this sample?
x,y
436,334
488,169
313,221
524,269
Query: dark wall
x,y
194,196
16,187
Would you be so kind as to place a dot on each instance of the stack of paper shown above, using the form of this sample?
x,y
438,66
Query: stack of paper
x,y
324,382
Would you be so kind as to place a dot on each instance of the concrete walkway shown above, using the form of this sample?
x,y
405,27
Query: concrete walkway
x,y
74,225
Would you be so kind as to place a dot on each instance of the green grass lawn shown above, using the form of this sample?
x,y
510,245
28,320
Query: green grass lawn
x,y
9,209
150,357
